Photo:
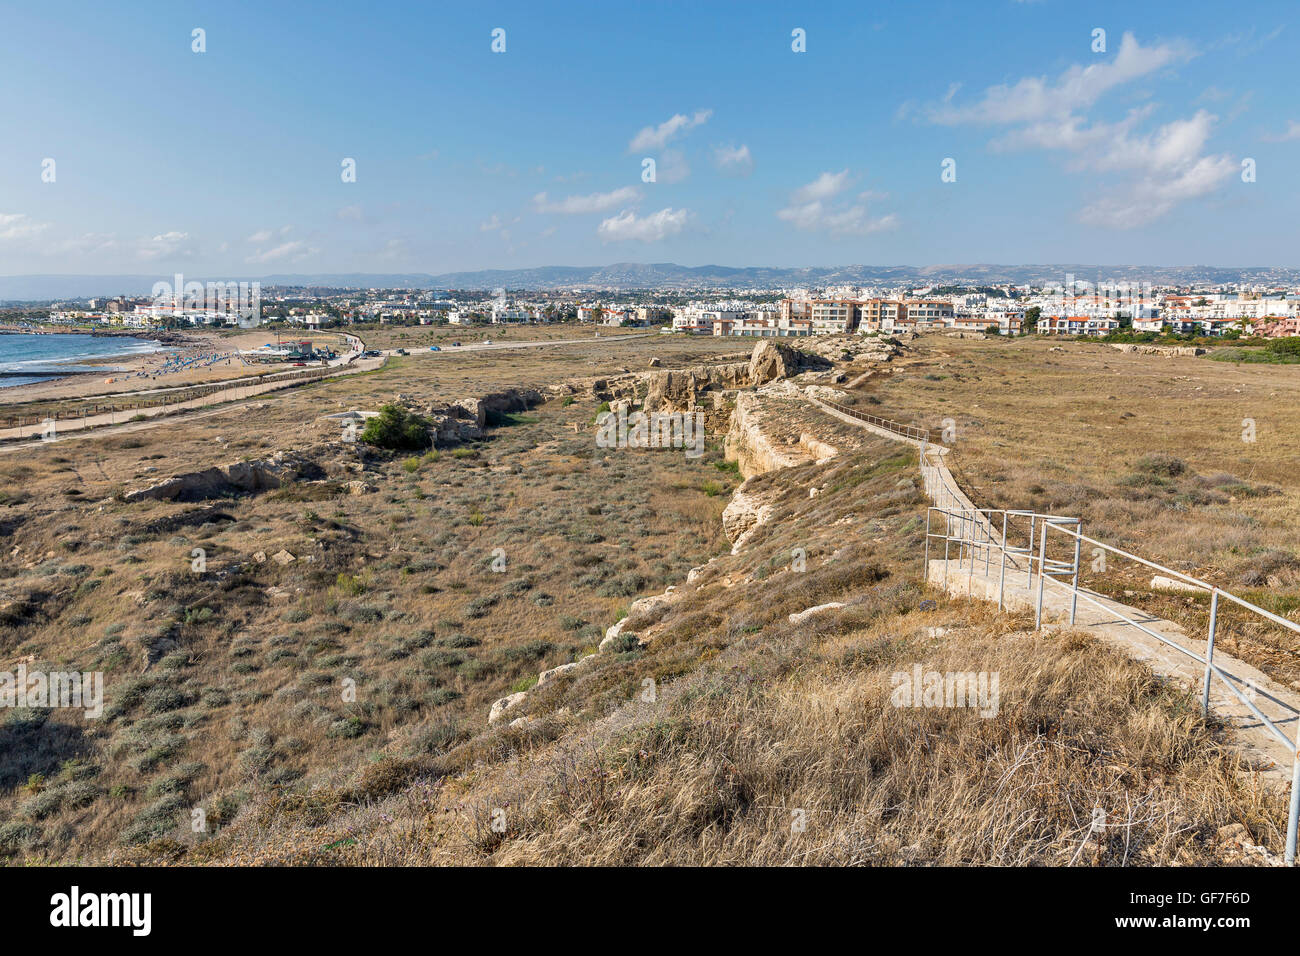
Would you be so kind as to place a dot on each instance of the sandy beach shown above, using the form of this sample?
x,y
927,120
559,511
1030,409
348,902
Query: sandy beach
x,y
208,357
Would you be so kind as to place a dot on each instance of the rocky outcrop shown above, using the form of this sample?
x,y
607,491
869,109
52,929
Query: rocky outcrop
x,y
680,390
752,446
503,705
545,677
754,441
854,348
466,418
249,476
825,393
744,513
772,360
815,448
1166,350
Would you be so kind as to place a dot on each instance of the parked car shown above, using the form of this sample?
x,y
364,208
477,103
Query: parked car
x,y
403,352
435,348
455,344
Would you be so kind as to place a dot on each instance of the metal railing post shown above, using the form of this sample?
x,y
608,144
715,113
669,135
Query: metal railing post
x,y
1002,575
1074,597
1042,572
970,577
947,540
925,574
986,543
1209,650
1294,815
1029,556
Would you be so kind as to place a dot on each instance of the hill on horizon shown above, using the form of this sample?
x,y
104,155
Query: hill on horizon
x,y
660,275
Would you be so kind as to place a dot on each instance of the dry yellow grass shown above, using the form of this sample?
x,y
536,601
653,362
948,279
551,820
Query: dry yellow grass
x,y
752,717
1147,450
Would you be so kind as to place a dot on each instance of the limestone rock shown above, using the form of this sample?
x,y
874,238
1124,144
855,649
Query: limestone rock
x,y
612,633
545,677
772,360
802,616
1162,583
744,513
504,704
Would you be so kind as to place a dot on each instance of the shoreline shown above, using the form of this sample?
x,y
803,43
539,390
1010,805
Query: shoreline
x,y
163,336
183,358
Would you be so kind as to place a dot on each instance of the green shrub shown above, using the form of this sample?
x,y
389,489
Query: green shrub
x,y
1158,463
155,821
1287,346
397,429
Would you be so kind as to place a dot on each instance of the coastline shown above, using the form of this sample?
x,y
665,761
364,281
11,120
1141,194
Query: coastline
x,y
163,336
190,357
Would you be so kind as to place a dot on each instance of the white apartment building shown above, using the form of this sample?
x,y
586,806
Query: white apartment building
x,y
701,321
1076,325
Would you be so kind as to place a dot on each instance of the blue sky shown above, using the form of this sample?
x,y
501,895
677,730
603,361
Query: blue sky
x,y
228,161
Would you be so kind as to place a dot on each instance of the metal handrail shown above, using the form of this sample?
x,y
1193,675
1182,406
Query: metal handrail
x,y
914,432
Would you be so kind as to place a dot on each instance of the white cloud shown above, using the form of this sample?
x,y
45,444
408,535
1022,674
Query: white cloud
x,y
294,251
1159,169
733,160
265,235
823,187
659,225
490,225
594,202
1292,132
167,245
18,225
657,137
809,209
1156,195
1169,163
1035,97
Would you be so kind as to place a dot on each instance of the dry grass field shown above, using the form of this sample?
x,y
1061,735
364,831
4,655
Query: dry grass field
x,y
1147,450
333,710
735,736
379,336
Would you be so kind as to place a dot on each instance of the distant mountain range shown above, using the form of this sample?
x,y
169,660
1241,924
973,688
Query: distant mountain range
x,y
662,275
